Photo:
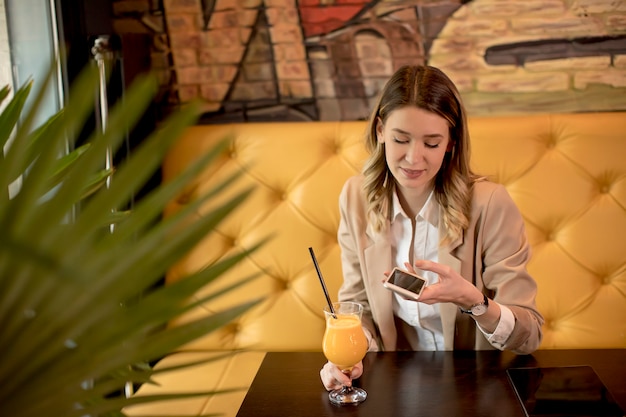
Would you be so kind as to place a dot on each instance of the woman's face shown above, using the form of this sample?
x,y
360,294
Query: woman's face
x,y
416,142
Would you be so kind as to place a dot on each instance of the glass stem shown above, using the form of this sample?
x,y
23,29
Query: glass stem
x,y
348,373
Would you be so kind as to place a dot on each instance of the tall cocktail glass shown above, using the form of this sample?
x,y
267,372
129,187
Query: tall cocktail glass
x,y
345,345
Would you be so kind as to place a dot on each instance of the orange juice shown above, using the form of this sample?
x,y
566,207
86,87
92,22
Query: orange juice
x,y
344,342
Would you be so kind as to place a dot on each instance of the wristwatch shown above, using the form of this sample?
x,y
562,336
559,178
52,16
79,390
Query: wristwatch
x,y
477,309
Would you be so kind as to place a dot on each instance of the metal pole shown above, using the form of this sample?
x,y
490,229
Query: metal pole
x,y
103,54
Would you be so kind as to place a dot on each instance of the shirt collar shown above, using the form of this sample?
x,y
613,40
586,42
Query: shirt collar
x,y
429,211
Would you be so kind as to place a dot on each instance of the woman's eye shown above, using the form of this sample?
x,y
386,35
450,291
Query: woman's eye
x,y
432,145
398,140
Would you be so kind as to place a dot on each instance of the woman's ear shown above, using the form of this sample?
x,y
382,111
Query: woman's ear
x,y
379,130
450,146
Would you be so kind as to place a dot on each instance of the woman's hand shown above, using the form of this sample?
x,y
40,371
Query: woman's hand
x,y
451,288
333,378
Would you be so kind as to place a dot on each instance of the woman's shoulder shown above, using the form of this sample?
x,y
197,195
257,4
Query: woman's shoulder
x,y
353,194
353,185
484,186
487,193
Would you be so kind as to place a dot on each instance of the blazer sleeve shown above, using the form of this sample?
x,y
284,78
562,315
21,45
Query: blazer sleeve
x,y
505,253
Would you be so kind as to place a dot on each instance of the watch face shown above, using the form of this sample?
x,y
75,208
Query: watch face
x,y
479,310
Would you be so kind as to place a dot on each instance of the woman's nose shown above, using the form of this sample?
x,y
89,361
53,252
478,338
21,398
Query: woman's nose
x,y
414,152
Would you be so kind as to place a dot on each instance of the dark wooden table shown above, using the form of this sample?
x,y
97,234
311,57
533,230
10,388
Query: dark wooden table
x,y
460,383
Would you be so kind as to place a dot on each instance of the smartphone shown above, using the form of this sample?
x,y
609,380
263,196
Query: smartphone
x,y
405,283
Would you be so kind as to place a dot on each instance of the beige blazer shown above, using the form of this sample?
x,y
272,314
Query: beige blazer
x,y
492,254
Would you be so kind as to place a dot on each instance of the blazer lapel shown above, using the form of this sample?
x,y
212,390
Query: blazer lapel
x,y
377,262
449,311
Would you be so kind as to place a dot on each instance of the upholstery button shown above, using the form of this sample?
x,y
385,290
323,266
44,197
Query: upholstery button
x,y
233,328
280,285
605,189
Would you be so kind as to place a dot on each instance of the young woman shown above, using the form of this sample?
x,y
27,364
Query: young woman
x,y
417,205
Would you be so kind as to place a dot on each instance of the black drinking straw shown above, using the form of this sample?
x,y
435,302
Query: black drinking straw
x,y
319,274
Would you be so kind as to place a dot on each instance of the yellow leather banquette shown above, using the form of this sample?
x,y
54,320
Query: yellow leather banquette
x,y
566,172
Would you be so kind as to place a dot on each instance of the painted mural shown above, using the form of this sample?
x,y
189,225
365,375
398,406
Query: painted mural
x,y
264,60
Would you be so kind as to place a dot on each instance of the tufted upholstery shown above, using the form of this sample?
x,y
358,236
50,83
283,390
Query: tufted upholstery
x,y
567,174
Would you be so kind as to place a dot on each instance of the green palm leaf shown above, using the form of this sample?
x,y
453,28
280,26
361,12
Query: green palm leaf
x,y
80,308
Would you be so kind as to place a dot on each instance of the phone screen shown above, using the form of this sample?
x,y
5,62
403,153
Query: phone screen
x,y
406,281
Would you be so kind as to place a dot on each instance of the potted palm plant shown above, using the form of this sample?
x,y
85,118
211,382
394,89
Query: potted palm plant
x,y
79,308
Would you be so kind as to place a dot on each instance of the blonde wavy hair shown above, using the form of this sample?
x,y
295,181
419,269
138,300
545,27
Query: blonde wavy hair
x,y
430,89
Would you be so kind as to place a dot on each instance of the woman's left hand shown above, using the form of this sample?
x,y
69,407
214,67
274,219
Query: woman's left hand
x,y
451,287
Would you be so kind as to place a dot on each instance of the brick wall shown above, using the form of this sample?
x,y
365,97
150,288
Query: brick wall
x,y
545,55
323,59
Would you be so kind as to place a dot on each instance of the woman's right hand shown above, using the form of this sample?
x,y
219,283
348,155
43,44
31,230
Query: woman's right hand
x,y
333,378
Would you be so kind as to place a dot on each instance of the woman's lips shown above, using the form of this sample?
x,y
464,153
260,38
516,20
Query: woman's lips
x,y
412,173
